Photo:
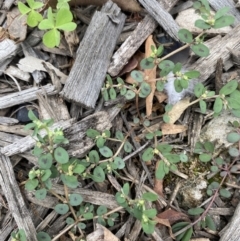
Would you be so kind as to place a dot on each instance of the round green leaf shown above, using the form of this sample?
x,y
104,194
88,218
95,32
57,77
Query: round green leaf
x,y
203,106
210,223
148,154
164,148
101,210
233,137
205,157
41,194
63,16
81,225
224,21
123,91
45,161
42,236
51,38
106,151
149,196
184,83
61,208
79,168
128,147
166,64
100,142
177,85
166,118
23,8
149,136
93,156
46,24
112,94
183,157
198,89
233,152
61,155
147,63
160,86
214,168
161,170
221,12
192,74
30,185
200,50
148,227
69,221
137,75
195,211
202,24
119,162
75,199
70,181
145,89
33,19
130,95
185,36
224,193
98,174
119,198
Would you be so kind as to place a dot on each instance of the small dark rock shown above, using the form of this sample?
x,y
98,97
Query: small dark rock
x,y
22,114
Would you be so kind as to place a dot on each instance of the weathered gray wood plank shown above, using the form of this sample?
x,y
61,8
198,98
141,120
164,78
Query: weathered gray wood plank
x,y
93,56
162,17
135,40
25,95
14,198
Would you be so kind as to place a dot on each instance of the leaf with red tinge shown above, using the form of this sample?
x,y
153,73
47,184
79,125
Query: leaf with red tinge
x,y
173,216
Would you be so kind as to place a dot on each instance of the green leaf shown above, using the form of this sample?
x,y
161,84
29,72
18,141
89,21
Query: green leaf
x,y
224,193
42,236
209,146
218,105
32,116
214,168
160,86
41,193
233,103
224,21
198,89
236,113
112,94
33,18
105,95
61,208
51,38
30,185
149,196
101,210
205,157
128,147
119,162
203,106
164,148
46,24
29,126
187,235
166,118
183,157
229,87
177,85
137,75
184,83
161,171
69,221
92,133
173,158
185,36
98,174
233,137
200,50
70,181
210,223
149,136
46,175
81,225
75,199
45,161
88,216
166,65
63,16
147,63
145,89
202,24
192,74
150,213
106,151
130,95
233,152
195,211
148,154
221,12
94,157
61,155
148,227
119,198
23,8
79,168
126,188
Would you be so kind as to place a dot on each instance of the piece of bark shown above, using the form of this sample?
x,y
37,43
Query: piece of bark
x,y
28,142
25,95
15,129
162,17
133,42
8,121
89,70
232,231
218,4
126,5
14,198
7,4
18,73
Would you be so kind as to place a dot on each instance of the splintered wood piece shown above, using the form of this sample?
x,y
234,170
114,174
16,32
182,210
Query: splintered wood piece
x,y
162,17
14,198
135,40
28,142
232,230
89,70
25,95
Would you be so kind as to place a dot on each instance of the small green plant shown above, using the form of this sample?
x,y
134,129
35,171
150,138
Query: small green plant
x,y
61,19
137,207
18,236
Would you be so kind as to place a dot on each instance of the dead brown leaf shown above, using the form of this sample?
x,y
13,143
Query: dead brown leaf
x,y
158,187
170,129
178,109
172,216
160,96
151,75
